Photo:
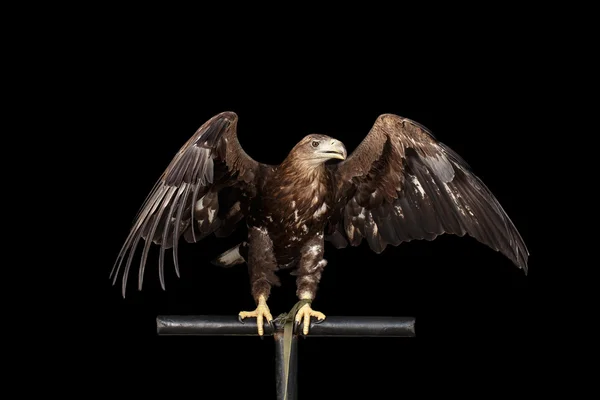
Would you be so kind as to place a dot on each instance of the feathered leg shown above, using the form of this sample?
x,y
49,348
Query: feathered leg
x,y
309,271
262,266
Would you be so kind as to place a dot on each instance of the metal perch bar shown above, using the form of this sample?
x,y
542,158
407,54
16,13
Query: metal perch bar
x,y
285,360
229,325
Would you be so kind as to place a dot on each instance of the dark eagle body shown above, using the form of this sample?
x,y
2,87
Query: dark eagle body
x,y
400,184
295,203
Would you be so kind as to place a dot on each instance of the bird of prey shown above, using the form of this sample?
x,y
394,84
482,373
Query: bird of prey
x,y
399,184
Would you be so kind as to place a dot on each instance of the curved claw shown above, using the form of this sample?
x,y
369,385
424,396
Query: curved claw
x,y
261,313
304,314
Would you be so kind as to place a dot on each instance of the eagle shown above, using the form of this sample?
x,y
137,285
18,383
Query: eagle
x,y
399,184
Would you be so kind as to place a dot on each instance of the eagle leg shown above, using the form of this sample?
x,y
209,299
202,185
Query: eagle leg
x,y
261,266
308,275
261,313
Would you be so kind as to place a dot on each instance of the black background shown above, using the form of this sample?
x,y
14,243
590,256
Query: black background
x,y
473,307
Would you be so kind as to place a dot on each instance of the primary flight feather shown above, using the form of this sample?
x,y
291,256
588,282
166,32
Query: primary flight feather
x,y
400,184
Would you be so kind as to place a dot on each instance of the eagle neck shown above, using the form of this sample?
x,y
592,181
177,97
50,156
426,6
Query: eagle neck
x,y
302,176
301,189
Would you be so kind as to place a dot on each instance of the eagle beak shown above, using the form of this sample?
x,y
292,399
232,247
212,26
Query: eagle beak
x,y
333,149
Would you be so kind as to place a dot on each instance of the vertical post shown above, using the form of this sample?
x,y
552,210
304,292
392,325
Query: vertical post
x,y
281,373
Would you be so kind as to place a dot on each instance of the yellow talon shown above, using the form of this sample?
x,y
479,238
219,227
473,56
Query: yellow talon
x,y
261,312
305,313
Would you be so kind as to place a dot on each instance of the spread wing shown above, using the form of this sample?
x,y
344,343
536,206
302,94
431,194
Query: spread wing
x,y
185,200
401,184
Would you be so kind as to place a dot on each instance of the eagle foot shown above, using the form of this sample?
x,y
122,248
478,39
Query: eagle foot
x,y
304,313
261,313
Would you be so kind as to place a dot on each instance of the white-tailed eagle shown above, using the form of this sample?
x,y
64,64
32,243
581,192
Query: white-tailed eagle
x,y
400,184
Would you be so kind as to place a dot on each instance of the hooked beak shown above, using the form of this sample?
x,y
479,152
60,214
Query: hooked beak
x,y
333,149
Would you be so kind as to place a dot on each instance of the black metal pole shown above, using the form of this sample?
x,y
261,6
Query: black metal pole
x,y
229,325
221,325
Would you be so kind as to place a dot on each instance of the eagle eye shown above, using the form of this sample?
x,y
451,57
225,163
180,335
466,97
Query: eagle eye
x,y
315,143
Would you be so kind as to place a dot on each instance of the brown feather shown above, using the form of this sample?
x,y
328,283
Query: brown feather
x,y
187,191
424,188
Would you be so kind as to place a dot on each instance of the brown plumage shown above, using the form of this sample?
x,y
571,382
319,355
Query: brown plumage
x,y
400,184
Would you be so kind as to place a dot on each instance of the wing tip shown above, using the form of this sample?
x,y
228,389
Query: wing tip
x,y
524,258
519,256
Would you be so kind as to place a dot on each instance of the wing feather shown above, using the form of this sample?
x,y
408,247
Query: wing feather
x,y
165,242
187,193
401,184
177,227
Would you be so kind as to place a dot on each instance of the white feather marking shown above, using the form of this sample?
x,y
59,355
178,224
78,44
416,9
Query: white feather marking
x,y
231,256
304,228
455,197
262,230
211,215
270,218
200,204
470,211
362,214
314,249
399,211
315,268
375,228
350,231
374,194
315,200
296,217
305,295
293,204
419,188
322,210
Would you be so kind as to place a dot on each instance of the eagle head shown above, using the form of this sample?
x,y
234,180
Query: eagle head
x,y
317,149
